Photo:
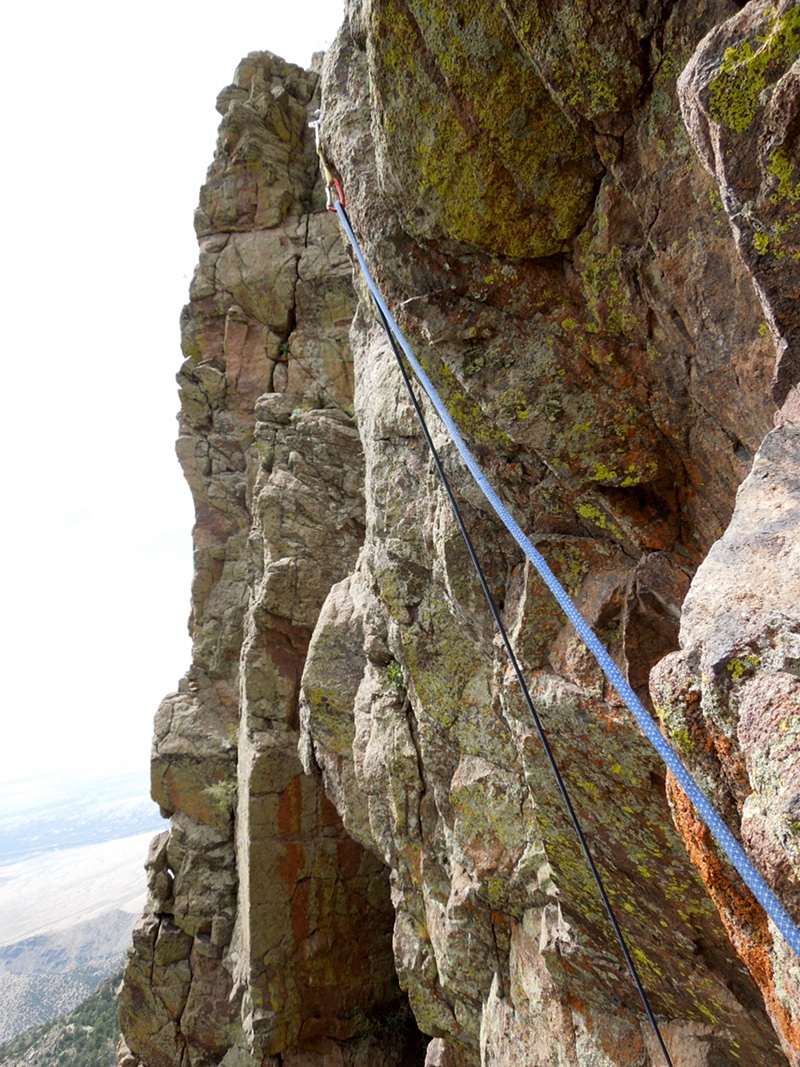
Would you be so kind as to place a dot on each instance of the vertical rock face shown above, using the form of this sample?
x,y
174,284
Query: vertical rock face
x,y
739,97
268,927
729,698
583,216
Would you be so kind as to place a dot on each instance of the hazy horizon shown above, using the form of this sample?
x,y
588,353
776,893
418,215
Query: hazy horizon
x,y
113,129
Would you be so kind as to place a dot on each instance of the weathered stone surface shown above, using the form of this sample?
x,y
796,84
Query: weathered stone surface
x,y
582,216
730,701
591,384
268,929
739,97
473,148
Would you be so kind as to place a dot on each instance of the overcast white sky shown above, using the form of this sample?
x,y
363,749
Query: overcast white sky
x,y
108,127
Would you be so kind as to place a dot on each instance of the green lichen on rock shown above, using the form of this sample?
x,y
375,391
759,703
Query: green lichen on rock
x,y
591,512
478,425
473,135
783,168
738,668
592,71
747,69
735,90
608,295
674,718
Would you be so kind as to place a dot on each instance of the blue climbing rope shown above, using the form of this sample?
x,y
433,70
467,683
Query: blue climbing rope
x,y
526,695
706,810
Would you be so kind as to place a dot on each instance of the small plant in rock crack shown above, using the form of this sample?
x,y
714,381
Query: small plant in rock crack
x,y
395,680
232,735
222,795
383,1024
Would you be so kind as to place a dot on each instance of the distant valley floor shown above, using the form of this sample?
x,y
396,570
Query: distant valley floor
x,y
46,976
71,886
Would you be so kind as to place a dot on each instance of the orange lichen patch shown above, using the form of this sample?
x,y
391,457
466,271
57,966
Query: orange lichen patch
x,y
300,907
329,816
288,646
695,723
290,808
621,1042
742,916
649,510
732,761
412,861
348,857
701,737
292,867
626,1050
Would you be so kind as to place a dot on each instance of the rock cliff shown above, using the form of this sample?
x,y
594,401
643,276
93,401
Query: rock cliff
x,y
585,217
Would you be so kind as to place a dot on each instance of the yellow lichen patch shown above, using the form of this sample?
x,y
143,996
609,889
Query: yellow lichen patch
x,y
608,295
590,70
747,69
476,164
596,516
475,423
602,473
738,668
783,168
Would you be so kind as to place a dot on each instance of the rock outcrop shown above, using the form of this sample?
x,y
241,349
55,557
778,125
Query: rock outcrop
x,y
584,216
268,926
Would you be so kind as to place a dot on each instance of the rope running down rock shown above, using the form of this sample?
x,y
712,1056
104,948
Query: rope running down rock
x,y
561,784
706,810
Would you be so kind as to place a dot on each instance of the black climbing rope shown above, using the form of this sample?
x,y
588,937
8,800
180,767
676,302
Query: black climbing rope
x,y
561,784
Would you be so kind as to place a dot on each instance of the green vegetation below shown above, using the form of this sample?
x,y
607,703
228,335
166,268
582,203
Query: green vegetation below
x,y
86,1037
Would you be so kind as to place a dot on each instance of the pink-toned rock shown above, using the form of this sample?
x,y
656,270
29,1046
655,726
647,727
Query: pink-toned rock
x,y
268,928
730,699
594,259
